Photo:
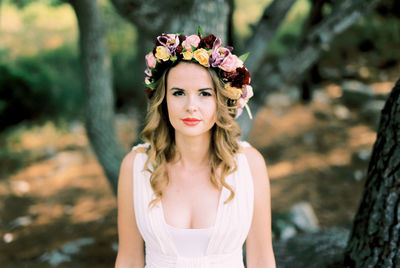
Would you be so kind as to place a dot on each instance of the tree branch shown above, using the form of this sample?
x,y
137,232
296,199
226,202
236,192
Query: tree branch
x,y
290,69
272,18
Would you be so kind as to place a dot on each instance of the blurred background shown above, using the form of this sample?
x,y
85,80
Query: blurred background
x,y
316,132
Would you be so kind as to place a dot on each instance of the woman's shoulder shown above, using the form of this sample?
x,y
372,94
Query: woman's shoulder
x,y
128,160
254,157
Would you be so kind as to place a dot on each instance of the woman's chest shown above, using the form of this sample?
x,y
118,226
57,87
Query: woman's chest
x,y
190,203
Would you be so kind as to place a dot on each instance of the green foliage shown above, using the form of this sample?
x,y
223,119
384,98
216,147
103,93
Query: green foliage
x,y
23,3
43,86
374,38
290,30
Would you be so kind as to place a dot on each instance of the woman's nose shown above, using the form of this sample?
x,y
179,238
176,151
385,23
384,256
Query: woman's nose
x,y
191,105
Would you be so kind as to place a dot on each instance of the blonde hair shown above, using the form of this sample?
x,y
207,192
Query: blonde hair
x,y
159,133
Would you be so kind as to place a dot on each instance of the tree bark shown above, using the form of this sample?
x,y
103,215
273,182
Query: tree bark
x,y
155,17
99,114
375,235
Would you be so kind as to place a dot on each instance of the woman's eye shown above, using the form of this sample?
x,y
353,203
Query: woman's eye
x,y
204,93
178,93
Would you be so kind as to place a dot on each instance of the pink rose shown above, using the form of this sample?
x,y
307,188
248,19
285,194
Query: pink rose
x,y
150,60
241,103
249,92
229,63
191,40
218,53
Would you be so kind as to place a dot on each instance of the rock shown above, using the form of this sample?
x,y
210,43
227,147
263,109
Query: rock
x,y
318,249
287,229
54,258
355,93
65,253
341,112
303,217
20,187
358,175
282,227
21,221
321,96
371,111
361,156
75,246
309,138
293,93
114,246
8,238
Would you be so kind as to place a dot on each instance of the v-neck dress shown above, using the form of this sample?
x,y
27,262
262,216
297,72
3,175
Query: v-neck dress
x,y
225,241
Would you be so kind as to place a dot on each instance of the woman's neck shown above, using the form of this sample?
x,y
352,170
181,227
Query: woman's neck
x,y
192,152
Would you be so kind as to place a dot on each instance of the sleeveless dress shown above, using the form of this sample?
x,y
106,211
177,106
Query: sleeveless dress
x,y
233,220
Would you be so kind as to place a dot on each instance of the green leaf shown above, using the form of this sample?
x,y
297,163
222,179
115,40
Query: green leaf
x,y
244,57
200,30
181,32
193,48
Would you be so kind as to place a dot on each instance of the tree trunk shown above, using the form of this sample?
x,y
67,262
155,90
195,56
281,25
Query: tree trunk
x,y
310,77
155,17
375,236
97,80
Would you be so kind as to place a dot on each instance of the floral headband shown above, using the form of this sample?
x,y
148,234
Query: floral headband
x,y
206,51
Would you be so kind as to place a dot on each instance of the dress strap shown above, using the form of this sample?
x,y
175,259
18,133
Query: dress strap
x,y
243,144
141,148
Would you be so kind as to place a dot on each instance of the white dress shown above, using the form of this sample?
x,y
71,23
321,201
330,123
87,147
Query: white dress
x,y
221,244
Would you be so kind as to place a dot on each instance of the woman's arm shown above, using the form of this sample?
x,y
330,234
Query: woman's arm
x,y
130,244
259,251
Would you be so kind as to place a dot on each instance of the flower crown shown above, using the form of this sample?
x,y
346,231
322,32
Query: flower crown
x,y
206,51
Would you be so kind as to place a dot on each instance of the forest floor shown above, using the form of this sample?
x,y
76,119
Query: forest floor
x,y
61,194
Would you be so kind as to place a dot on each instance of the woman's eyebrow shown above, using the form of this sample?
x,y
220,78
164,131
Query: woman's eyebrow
x,y
176,88
201,89
204,89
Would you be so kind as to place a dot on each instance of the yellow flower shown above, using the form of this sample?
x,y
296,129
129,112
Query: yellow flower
x,y
162,53
187,55
234,92
201,55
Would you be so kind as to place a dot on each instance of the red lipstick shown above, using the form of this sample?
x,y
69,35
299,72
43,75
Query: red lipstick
x,y
191,121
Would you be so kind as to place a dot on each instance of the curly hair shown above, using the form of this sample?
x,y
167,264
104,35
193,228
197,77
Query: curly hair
x,y
160,134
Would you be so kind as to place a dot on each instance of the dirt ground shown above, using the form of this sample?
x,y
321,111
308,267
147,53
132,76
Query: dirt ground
x,y
62,194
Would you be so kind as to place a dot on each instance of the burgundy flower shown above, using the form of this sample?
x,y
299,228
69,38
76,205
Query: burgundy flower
x,y
228,76
208,41
242,77
179,49
182,38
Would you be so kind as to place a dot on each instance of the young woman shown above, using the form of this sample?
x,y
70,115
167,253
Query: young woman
x,y
193,194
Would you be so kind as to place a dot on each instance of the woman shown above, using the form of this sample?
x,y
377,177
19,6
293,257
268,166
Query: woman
x,y
193,194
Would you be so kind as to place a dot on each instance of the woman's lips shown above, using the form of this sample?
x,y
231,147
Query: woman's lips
x,y
191,121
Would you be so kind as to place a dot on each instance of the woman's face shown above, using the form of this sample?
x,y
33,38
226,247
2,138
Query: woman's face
x,y
191,99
